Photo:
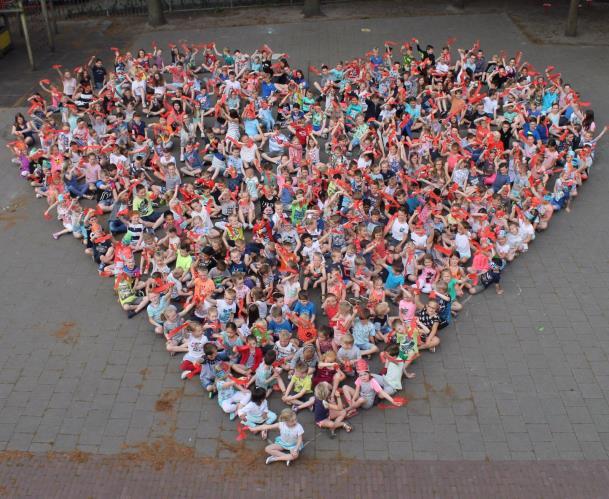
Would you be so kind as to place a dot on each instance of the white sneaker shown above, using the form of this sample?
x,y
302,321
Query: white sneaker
x,y
270,459
184,374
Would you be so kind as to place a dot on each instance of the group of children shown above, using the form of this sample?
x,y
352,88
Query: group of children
x,y
222,191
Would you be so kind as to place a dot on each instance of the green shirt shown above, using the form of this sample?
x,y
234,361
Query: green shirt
x,y
143,205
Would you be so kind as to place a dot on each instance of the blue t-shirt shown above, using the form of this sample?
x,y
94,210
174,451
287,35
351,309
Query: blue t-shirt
x,y
393,280
308,307
155,311
362,332
266,89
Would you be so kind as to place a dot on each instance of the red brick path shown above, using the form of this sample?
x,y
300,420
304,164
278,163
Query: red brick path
x,y
143,474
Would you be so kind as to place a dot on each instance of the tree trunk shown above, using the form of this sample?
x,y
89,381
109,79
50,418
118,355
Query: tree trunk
x,y
571,29
312,8
155,13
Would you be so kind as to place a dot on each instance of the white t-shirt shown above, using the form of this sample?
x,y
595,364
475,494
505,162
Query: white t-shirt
x,y
231,85
462,243
248,153
308,251
195,348
69,86
225,310
399,230
290,435
204,216
490,105
254,411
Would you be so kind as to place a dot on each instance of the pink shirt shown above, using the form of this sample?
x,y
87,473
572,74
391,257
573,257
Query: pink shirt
x,y
407,310
92,173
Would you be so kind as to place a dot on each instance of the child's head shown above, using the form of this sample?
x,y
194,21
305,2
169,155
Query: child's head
x,y
381,308
398,325
288,416
331,299
363,314
323,390
269,357
258,395
196,329
347,341
212,314
393,350
229,295
284,337
300,369
303,297
251,341
344,307
308,352
222,370
325,332
210,350
329,356
361,366
171,312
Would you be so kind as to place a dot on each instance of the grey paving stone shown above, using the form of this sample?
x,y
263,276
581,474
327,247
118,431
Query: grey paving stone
x,y
586,432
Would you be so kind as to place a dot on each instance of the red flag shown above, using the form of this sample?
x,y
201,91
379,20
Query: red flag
x,y
241,432
443,250
399,402
176,330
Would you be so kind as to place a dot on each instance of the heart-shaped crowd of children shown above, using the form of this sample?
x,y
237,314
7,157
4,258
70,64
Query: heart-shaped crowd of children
x,y
220,189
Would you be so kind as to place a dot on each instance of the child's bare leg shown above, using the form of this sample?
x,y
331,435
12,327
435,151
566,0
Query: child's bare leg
x,y
336,380
57,235
278,453
239,369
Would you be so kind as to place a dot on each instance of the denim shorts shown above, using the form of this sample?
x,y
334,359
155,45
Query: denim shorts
x,y
364,346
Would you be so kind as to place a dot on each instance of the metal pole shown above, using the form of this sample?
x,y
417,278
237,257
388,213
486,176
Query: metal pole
x,y
26,35
47,24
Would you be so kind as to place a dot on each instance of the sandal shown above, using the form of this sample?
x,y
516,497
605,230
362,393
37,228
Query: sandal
x,y
351,413
347,427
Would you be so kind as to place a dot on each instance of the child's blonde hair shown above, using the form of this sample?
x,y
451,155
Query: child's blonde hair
x,y
170,308
287,415
344,307
381,308
347,339
329,356
323,390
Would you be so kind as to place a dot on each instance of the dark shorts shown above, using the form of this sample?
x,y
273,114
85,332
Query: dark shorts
x,y
153,217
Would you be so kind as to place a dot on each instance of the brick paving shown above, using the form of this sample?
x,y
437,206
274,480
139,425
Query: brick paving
x,y
79,475
519,377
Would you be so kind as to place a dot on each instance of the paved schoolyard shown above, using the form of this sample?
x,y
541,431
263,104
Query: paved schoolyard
x,y
523,376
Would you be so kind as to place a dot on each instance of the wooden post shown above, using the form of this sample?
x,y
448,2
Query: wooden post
x,y
26,35
53,17
155,13
571,29
312,8
47,24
